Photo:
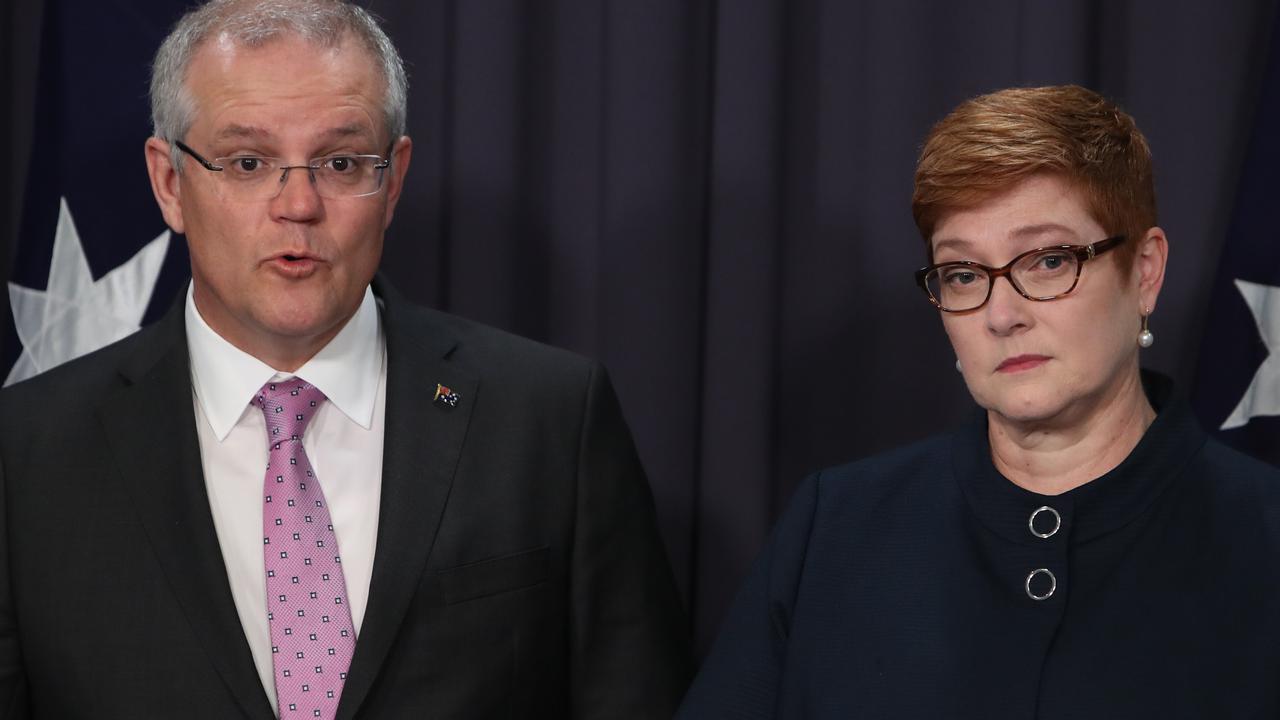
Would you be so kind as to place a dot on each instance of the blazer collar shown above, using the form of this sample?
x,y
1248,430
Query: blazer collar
x,y
424,439
149,422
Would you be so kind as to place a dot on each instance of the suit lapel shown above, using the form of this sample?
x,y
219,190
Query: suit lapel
x,y
150,426
421,448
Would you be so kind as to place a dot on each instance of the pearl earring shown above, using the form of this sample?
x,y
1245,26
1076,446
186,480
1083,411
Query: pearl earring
x,y
958,369
1145,338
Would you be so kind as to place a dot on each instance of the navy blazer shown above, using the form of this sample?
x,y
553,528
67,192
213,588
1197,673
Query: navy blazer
x,y
518,570
904,586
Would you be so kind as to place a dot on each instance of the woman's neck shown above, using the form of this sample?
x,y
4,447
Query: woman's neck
x,y
1051,458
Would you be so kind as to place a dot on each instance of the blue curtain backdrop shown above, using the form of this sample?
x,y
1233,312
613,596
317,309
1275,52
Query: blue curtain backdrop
x,y
709,195
1237,388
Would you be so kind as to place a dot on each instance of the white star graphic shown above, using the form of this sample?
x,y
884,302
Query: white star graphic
x,y
1263,395
76,315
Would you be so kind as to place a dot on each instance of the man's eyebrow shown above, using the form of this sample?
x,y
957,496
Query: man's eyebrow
x,y
346,131
235,131
253,132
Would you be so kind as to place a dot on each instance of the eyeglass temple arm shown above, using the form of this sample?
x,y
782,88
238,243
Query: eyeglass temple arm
x,y
199,158
1096,249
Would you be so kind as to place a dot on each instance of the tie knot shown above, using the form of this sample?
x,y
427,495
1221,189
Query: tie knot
x,y
288,407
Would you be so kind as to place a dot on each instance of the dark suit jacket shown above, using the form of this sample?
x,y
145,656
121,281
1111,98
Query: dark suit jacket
x,y
898,588
518,571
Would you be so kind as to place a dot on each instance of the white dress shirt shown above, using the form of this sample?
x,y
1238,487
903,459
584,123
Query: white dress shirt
x,y
343,442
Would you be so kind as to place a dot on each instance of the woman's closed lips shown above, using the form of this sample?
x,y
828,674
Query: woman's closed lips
x,y
1019,363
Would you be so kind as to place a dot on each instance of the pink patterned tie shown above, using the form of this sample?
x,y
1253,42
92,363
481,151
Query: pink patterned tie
x,y
312,636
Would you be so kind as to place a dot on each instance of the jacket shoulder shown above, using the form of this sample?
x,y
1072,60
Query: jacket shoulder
x,y
1238,472
89,376
893,472
493,353
1241,489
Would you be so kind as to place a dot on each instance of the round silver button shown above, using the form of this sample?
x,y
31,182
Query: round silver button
x,y
1057,521
1053,584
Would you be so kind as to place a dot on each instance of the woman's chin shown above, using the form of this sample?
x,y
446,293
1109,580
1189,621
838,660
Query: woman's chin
x,y
1029,408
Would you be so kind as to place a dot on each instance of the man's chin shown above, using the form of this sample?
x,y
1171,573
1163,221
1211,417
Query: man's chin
x,y
295,329
293,318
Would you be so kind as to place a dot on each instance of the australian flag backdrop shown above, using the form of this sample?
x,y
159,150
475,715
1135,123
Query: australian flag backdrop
x,y
1237,388
93,260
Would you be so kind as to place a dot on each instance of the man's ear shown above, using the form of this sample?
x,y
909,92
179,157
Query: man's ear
x,y
401,153
1148,265
164,182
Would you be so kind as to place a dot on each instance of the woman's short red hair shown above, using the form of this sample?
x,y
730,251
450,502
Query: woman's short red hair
x,y
991,142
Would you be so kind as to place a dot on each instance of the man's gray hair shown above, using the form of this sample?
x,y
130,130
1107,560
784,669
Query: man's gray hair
x,y
252,23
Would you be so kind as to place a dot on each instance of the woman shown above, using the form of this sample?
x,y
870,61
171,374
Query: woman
x,y
1081,549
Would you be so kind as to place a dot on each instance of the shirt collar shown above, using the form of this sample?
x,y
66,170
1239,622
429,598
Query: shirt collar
x,y
346,369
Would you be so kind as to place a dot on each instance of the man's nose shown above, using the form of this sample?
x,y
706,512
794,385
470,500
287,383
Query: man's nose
x,y
297,197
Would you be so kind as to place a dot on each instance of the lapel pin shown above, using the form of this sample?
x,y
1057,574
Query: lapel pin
x,y
445,396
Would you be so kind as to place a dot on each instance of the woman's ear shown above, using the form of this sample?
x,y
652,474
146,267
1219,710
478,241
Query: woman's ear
x,y
1148,267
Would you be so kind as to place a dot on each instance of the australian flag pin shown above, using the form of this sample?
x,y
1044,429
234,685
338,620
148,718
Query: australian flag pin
x,y
445,396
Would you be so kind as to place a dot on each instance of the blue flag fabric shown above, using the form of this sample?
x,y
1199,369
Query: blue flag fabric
x,y
1237,388
93,259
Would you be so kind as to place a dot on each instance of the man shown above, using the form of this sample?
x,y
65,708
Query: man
x,y
452,521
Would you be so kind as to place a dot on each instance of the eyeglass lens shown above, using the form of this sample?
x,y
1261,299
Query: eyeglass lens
x,y
262,178
1041,275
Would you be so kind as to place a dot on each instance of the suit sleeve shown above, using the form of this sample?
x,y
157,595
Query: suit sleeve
x,y
630,644
740,679
13,681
